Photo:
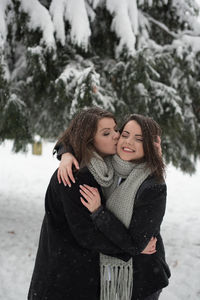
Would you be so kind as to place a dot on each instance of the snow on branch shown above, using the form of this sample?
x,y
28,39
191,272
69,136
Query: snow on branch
x,y
57,9
161,25
187,12
181,34
94,3
168,95
90,11
75,13
150,2
3,26
39,18
125,22
186,41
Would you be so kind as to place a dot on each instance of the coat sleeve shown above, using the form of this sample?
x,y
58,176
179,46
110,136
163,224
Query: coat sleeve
x,y
147,216
60,149
82,227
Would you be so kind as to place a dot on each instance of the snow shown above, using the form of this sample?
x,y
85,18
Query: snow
x,y
95,3
185,42
20,63
90,12
3,26
39,19
76,14
23,182
56,9
80,13
125,23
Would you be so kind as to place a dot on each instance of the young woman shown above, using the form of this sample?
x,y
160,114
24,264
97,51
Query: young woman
x,y
67,262
139,203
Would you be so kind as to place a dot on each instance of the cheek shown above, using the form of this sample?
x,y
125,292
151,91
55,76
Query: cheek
x,y
107,143
119,145
97,144
102,144
141,150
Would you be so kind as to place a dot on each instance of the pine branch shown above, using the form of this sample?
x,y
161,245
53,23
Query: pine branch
x,y
161,25
171,33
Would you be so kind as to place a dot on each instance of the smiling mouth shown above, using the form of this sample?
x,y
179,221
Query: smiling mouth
x,y
125,149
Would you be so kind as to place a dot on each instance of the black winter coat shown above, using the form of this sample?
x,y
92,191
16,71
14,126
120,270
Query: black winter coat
x,y
150,272
67,262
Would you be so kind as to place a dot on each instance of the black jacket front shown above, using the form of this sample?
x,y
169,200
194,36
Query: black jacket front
x,y
150,272
67,262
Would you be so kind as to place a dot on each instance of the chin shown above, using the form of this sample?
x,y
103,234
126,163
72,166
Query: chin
x,y
126,158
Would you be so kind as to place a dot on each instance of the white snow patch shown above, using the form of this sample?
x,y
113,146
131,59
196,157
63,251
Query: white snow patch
x,y
39,18
3,26
76,14
185,42
125,23
57,9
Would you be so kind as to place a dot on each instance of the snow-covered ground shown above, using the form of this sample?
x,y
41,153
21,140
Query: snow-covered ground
x,y
23,181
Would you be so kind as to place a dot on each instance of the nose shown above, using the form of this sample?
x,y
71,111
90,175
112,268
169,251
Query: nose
x,y
130,141
116,135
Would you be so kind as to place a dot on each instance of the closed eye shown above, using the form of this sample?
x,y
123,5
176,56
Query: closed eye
x,y
124,135
139,139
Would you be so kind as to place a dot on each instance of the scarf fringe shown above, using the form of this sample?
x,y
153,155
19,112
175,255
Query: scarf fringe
x,y
116,282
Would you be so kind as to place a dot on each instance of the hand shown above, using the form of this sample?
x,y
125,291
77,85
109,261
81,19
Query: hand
x,y
151,247
157,144
92,196
65,169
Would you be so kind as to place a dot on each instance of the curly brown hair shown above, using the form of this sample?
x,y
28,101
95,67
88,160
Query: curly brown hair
x,y
81,132
150,132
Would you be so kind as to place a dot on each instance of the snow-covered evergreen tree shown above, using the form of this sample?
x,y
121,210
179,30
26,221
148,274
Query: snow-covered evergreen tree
x,y
57,56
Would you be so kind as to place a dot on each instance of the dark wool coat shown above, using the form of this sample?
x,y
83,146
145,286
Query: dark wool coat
x,y
150,272
67,262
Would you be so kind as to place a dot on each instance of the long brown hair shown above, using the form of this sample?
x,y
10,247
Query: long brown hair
x,y
150,131
81,132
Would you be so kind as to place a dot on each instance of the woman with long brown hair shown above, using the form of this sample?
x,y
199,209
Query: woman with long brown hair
x,y
136,196
67,262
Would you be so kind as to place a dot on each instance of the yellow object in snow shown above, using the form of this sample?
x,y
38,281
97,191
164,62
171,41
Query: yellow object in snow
x,y
37,148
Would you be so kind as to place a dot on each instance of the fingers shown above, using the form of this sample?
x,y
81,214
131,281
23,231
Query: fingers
x,y
150,251
153,241
76,164
65,169
70,174
157,144
86,193
84,203
65,178
58,176
158,139
91,197
89,190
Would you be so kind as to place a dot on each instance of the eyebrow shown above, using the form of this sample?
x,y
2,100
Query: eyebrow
x,y
107,128
135,134
104,129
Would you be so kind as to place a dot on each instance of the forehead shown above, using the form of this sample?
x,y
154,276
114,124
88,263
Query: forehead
x,y
133,127
105,123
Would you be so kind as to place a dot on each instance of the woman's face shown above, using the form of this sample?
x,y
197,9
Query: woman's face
x,y
130,144
106,137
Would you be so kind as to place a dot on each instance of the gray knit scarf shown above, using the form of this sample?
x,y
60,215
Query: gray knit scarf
x,y
117,275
